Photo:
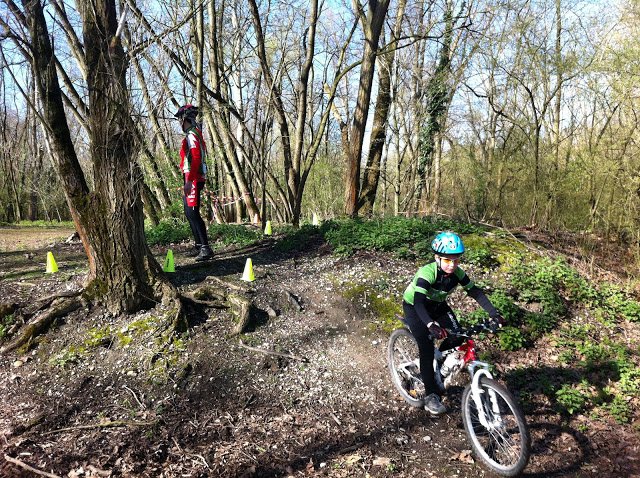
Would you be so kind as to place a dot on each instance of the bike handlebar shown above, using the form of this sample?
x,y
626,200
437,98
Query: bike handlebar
x,y
488,326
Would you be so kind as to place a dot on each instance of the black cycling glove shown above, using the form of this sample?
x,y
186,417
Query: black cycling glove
x,y
436,331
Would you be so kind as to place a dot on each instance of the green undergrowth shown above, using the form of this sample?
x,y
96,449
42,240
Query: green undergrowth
x,y
297,239
224,235
176,230
6,323
168,231
405,238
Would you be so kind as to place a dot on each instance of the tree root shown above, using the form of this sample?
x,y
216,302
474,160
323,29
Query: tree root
x,y
274,353
109,424
30,469
57,307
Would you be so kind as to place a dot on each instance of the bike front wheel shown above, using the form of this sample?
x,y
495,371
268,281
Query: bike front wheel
x,y
496,428
404,366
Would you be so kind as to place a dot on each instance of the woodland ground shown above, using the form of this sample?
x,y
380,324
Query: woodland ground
x,y
98,397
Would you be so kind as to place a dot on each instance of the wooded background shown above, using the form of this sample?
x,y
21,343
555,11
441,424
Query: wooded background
x,y
518,112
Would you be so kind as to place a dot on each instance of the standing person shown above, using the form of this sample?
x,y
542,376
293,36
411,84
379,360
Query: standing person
x,y
428,315
194,168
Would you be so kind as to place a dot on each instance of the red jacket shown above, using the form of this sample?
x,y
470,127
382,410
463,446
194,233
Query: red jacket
x,y
192,155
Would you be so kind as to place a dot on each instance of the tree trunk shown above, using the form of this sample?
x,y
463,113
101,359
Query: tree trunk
x,y
380,120
372,24
438,98
109,220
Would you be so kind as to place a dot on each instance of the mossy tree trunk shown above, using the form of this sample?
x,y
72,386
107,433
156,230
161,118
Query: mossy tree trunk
x,y
109,219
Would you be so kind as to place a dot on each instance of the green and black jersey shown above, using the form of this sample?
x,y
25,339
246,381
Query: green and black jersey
x,y
429,289
431,281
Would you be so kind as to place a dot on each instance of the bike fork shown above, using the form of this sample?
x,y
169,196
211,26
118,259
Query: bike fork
x,y
476,391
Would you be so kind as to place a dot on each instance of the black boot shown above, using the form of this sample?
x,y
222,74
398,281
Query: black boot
x,y
205,253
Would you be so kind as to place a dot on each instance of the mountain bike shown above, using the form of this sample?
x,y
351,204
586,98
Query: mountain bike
x,y
493,421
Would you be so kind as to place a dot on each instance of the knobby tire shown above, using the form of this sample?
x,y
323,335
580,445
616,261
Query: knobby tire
x,y
505,448
403,348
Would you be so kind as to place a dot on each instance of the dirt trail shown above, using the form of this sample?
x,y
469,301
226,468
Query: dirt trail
x,y
219,409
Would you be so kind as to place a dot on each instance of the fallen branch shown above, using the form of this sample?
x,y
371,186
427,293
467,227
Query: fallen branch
x,y
115,423
142,407
21,464
271,352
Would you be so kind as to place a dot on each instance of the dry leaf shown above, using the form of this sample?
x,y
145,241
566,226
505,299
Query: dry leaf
x,y
465,457
352,459
381,461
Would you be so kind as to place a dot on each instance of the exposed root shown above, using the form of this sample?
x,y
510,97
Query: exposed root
x,y
274,353
107,424
30,469
241,309
57,307
220,297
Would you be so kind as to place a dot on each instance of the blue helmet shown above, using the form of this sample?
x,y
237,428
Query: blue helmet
x,y
447,243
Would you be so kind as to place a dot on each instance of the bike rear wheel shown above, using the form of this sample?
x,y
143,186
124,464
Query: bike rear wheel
x,y
502,443
404,366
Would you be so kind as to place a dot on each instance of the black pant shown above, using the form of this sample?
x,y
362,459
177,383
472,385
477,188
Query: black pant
x,y
442,314
192,213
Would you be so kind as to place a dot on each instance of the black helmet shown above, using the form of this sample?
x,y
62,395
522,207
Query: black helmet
x,y
187,112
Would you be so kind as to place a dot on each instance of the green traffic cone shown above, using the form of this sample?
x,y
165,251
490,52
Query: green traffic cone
x,y
169,266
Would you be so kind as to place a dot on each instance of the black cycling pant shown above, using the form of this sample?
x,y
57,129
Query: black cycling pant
x,y
442,314
198,227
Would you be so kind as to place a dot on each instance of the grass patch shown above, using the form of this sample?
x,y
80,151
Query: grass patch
x,y
42,224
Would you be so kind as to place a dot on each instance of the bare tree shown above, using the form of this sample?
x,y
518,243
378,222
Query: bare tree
x,y
372,17
122,272
380,118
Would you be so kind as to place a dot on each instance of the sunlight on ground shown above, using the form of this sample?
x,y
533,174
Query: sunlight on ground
x,y
27,238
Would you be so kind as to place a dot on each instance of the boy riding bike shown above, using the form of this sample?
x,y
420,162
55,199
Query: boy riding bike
x,y
427,313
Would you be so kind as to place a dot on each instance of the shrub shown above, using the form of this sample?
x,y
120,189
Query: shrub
x,y
167,232
477,316
630,382
5,324
511,339
539,324
506,306
572,399
620,410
